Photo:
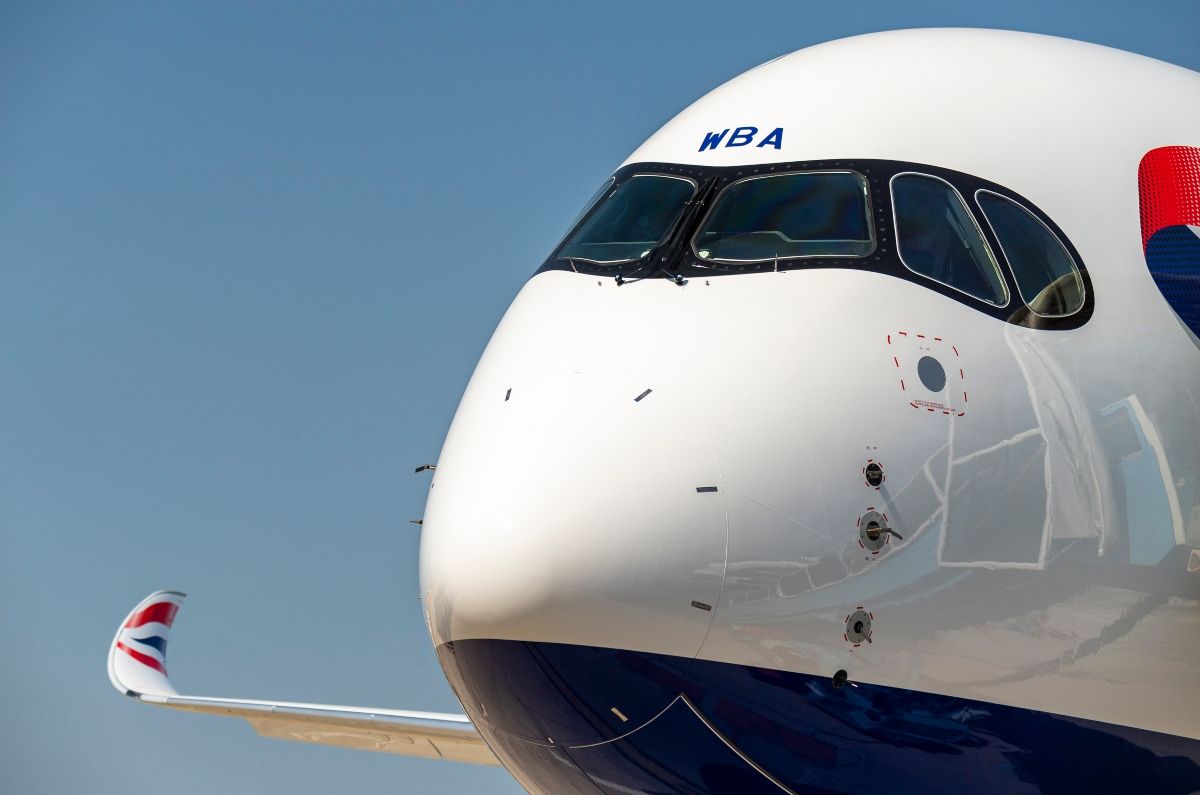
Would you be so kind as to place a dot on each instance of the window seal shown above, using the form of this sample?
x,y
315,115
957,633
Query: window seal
x,y
1008,263
987,247
715,262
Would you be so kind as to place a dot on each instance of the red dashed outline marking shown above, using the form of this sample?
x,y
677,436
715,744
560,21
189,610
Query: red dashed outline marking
x,y
930,407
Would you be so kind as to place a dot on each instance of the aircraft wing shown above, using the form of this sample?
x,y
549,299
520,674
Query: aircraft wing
x,y
137,668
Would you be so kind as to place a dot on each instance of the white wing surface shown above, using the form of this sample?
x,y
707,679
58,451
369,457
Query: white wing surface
x,y
137,668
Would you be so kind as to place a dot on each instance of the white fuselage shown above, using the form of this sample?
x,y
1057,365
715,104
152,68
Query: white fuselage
x,y
1042,496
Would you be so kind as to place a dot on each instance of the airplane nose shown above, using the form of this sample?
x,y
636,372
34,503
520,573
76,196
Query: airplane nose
x,y
571,510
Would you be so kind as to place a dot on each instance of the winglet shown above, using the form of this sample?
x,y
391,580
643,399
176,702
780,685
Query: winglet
x,y
138,655
137,667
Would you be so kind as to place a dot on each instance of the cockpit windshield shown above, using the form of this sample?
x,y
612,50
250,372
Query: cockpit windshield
x,y
683,221
780,216
629,220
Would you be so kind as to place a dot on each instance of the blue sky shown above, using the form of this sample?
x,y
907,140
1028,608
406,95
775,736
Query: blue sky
x,y
249,256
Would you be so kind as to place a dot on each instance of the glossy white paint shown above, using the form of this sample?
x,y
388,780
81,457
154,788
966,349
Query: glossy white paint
x,y
564,511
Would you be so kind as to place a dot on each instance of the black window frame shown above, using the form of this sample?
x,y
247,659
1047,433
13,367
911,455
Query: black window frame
x,y
883,260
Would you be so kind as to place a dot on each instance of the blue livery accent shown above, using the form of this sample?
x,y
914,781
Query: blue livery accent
x,y
1173,256
742,136
553,713
154,641
775,139
713,140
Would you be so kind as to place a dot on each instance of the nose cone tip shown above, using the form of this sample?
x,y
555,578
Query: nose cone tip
x,y
573,512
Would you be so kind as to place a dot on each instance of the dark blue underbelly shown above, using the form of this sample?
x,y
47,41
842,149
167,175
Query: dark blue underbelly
x,y
574,719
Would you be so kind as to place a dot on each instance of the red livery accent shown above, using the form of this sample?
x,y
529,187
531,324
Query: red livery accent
x,y
162,612
1169,189
144,659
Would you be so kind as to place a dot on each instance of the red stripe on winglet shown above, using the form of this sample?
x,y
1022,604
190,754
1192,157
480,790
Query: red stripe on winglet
x,y
144,659
161,612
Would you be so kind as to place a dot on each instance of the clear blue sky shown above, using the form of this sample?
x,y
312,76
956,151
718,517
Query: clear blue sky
x,y
249,256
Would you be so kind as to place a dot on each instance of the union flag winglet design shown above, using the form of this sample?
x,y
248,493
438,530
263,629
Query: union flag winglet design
x,y
138,657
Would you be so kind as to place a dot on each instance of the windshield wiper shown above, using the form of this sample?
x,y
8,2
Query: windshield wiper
x,y
642,262
669,243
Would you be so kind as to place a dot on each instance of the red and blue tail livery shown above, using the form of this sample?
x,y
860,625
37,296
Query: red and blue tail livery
x,y
1169,193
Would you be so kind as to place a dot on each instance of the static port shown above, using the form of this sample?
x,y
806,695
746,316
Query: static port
x,y
872,531
873,472
858,626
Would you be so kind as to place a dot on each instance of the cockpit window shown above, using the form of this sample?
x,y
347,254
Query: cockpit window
x,y
596,197
629,220
937,238
1047,278
782,216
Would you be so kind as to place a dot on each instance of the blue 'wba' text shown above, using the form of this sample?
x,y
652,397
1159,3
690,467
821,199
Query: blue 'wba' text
x,y
742,136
